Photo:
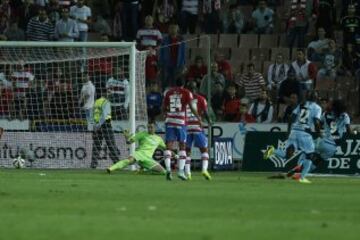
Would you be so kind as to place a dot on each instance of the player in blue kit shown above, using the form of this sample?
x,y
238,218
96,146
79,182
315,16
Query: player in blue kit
x,y
305,119
336,124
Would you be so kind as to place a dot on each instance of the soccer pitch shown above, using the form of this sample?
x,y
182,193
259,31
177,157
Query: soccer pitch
x,y
54,204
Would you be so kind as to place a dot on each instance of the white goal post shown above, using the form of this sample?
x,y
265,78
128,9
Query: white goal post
x,y
40,62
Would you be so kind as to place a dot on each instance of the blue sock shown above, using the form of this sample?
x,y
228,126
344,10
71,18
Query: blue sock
x,y
306,168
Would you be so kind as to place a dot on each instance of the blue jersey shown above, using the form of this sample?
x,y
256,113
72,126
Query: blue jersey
x,y
334,127
305,116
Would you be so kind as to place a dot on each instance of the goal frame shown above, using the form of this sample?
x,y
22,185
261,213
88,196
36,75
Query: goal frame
x,y
132,61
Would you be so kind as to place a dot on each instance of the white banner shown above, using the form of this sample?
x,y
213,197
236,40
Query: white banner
x,y
73,150
56,149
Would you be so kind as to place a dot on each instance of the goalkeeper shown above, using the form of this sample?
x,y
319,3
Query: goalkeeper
x,y
148,143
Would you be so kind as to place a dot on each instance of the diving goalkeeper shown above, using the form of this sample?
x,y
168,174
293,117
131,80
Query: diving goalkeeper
x,y
148,143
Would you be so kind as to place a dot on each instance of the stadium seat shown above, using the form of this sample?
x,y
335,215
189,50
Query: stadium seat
x,y
344,83
240,54
94,37
284,51
339,38
203,41
228,40
266,66
198,52
283,40
188,54
248,41
268,41
325,85
192,40
247,11
260,54
225,51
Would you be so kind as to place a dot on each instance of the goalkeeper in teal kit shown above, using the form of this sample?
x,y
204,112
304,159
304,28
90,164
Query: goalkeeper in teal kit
x,y
148,143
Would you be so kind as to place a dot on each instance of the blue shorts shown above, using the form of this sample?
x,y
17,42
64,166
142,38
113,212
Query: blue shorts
x,y
200,140
175,133
326,148
302,141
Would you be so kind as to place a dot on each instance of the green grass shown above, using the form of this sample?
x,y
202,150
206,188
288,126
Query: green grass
x,y
49,204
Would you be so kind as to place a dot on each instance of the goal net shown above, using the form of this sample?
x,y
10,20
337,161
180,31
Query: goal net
x,y
48,89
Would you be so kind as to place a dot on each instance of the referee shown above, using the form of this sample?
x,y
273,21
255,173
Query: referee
x,y
103,130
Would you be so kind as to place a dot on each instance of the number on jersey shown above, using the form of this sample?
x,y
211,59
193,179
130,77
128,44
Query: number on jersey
x,y
175,103
304,115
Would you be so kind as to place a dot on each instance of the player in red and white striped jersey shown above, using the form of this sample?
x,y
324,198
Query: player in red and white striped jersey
x,y
176,101
196,134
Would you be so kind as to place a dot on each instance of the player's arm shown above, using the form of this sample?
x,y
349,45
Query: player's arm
x,y
162,145
193,109
317,123
292,119
130,138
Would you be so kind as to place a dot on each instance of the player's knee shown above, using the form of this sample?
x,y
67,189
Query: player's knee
x,y
204,150
315,158
290,151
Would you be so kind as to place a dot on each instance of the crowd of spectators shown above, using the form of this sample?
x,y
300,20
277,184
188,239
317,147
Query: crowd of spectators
x,y
323,38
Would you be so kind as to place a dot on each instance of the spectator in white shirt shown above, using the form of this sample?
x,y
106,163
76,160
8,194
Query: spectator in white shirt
x,y
66,29
277,72
87,97
82,14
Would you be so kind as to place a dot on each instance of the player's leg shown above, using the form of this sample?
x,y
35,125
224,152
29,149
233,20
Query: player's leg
x,y
114,152
201,142
97,140
306,144
182,133
189,141
290,148
121,164
170,138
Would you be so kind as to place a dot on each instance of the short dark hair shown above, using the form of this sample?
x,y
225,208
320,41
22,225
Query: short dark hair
x,y
251,65
301,50
180,81
339,106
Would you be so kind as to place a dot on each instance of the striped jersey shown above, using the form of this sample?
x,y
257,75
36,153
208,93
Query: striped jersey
x,y
21,82
149,37
191,6
119,92
39,31
306,113
253,85
175,102
334,127
193,124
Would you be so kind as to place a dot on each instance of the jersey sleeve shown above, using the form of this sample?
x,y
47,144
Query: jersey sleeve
x,y
162,144
317,112
137,136
346,119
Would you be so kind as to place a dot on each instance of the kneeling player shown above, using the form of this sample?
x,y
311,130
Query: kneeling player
x,y
148,143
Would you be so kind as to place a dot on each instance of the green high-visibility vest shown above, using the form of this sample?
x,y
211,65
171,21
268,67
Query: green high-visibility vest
x,y
99,108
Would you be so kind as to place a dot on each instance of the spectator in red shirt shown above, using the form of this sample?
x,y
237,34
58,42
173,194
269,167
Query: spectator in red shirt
x,y
243,115
197,71
231,104
224,66
151,67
